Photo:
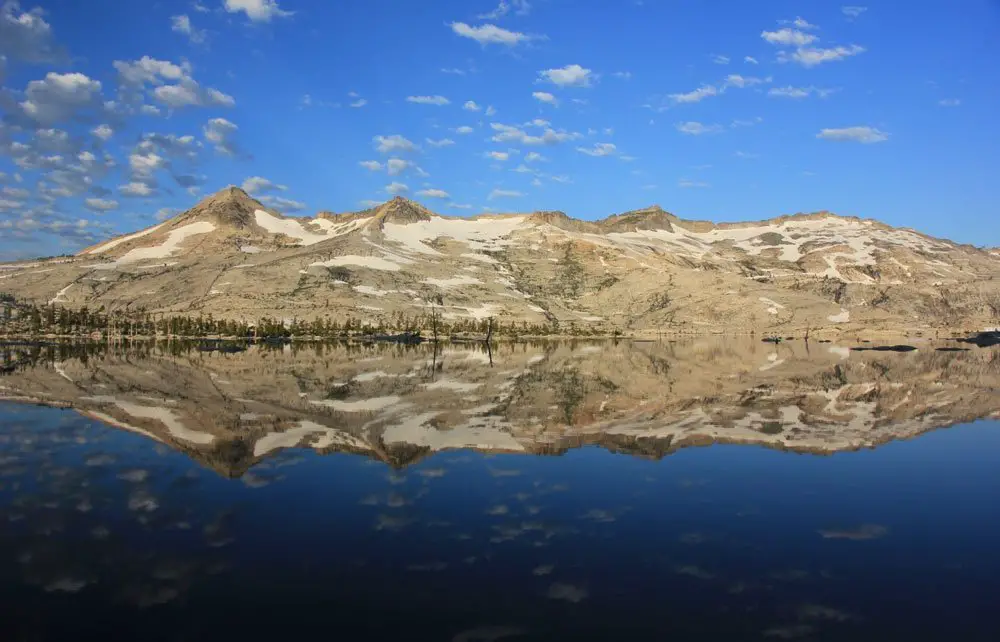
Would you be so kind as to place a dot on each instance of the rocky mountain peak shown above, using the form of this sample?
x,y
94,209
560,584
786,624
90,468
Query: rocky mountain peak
x,y
653,217
229,207
402,210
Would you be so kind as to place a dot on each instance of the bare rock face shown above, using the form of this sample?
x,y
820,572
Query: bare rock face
x,y
641,272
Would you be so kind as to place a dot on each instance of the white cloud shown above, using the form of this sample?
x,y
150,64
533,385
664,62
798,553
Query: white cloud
x,y
470,105
490,34
464,129
746,123
599,149
261,185
531,157
788,37
428,100
490,110
100,204
460,206
568,76
257,10
695,96
561,179
136,190
510,133
222,133
26,35
799,92
523,169
950,102
453,70
521,8
504,193
357,104
736,80
801,23
104,132
397,188
545,97
282,204
433,193
182,24
191,94
694,128
497,156
750,60
372,165
623,75
397,166
443,142
812,56
688,183
859,134
746,155
18,193
61,97
719,59
394,143
149,110
536,182
853,11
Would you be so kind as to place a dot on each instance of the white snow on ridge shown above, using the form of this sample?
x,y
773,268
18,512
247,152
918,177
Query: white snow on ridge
x,y
843,317
125,239
772,306
299,231
452,282
479,234
170,245
60,294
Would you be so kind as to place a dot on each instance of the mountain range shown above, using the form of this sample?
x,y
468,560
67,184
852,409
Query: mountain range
x,y
640,272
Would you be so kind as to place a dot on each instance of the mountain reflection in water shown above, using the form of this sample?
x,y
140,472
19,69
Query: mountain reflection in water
x,y
164,492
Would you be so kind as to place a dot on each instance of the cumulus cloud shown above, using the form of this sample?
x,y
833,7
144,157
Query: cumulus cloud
x,y
261,185
736,80
599,149
26,36
504,193
464,129
182,24
695,96
950,102
61,97
433,193
372,165
750,60
513,134
172,84
545,97
470,105
257,10
222,133
357,104
694,128
497,156
104,132
812,56
393,143
442,142
858,134
623,75
788,37
489,34
397,188
428,100
799,92
100,204
397,166
137,190
532,157
853,11
719,59
568,76
521,8
282,204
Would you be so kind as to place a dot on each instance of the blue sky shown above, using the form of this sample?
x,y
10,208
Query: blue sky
x,y
117,114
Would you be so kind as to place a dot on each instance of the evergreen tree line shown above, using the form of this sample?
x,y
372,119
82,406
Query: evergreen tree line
x,y
52,319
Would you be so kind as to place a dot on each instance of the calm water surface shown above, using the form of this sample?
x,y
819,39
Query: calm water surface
x,y
560,492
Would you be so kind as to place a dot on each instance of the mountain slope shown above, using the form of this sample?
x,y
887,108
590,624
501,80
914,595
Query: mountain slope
x,y
641,271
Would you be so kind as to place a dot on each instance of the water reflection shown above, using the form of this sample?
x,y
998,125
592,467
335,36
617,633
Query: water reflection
x,y
398,404
116,522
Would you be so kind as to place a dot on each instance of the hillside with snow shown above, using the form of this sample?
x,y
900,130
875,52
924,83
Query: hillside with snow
x,y
640,272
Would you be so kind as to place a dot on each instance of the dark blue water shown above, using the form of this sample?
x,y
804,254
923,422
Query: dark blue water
x,y
108,535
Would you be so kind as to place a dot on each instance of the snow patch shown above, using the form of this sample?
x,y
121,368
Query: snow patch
x,y
169,246
843,317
